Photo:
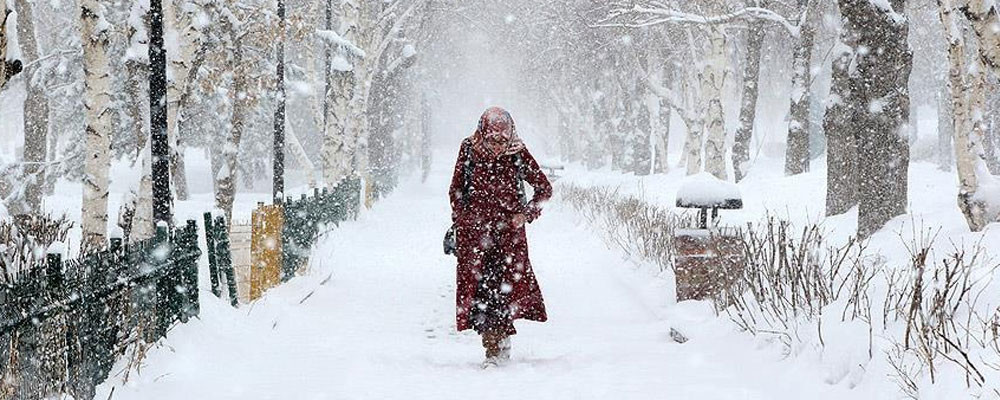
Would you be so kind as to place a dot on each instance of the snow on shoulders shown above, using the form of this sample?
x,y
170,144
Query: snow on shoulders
x,y
706,190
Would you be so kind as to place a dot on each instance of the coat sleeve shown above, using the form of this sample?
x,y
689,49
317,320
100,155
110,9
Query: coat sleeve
x,y
536,178
458,183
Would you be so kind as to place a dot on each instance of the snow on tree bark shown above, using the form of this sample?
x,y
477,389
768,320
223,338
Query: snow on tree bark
x,y
36,114
186,31
966,86
97,99
946,130
838,125
712,79
881,95
4,12
225,178
748,102
985,18
797,154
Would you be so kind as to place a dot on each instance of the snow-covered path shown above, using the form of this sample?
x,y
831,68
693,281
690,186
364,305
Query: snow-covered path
x,y
374,319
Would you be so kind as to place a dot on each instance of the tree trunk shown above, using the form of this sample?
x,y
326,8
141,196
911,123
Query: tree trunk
x,y
278,187
985,18
226,182
968,98
838,125
180,65
97,101
946,130
36,114
712,81
661,141
882,109
337,144
748,106
425,139
642,154
4,12
797,156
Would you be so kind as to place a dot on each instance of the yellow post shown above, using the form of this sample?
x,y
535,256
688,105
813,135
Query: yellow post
x,y
265,249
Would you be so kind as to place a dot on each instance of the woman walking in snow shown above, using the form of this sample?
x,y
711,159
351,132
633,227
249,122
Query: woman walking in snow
x,y
489,210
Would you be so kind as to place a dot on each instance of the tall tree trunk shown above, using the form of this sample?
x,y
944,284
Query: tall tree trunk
x,y
966,85
883,102
712,81
797,156
748,106
36,114
642,154
183,27
226,182
425,139
839,125
946,129
985,18
4,12
278,187
337,144
661,141
97,100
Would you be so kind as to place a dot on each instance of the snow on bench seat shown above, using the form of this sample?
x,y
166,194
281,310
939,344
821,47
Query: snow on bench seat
x,y
704,190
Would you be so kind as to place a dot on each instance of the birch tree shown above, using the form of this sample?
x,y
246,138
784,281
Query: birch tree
x,y
797,154
984,15
7,68
97,80
35,111
748,101
712,80
966,87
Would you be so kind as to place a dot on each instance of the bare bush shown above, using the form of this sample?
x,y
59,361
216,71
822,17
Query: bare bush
x,y
24,240
933,312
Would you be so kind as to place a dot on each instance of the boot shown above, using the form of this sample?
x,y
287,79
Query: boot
x,y
491,343
504,345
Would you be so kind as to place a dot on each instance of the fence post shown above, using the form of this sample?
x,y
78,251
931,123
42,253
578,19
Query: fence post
x,y
213,267
223,255
165,309
187,267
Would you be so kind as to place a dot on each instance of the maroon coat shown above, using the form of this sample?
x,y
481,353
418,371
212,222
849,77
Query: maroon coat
x,y
483,224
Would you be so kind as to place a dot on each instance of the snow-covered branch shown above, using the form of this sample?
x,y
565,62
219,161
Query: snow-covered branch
x,y
650,13
335,39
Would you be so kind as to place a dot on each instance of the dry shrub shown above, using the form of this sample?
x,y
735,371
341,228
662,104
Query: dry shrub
x,y
638,228
24,240
791,275
933,312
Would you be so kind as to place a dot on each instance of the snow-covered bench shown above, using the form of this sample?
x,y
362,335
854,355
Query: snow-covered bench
x,y
706,192
707,259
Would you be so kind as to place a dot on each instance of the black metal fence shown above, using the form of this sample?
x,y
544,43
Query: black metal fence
x,y
307,217
63,324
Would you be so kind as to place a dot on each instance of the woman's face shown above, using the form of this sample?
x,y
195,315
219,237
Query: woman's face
x,y
497,139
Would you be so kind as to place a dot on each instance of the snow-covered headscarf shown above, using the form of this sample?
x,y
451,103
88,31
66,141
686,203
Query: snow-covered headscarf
x,y
496,122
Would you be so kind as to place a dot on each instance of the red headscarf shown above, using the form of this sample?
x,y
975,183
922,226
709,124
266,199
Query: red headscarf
x,y
496,122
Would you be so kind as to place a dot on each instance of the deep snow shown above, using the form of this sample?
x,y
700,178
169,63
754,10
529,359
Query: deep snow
x,y
382,326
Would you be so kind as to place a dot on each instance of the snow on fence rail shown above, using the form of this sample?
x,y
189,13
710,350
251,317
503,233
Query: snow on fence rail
x,y
63,323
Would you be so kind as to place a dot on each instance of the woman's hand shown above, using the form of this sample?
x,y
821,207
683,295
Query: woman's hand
x,y
519,220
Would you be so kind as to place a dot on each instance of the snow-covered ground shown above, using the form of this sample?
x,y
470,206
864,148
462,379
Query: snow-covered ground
x,y
373,318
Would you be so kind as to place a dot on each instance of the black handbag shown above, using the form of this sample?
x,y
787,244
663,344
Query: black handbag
x,y
450,243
